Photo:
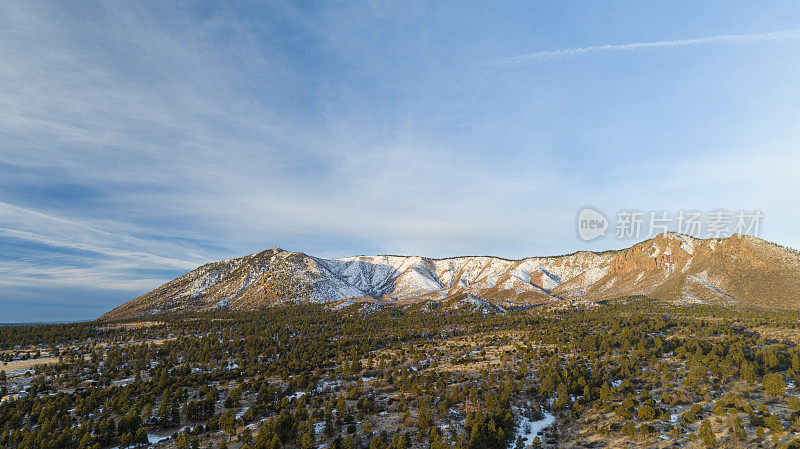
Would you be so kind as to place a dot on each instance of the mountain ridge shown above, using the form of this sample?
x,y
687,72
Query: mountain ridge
x,y
671,266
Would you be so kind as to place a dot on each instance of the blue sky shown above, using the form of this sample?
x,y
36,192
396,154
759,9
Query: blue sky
x,y
140,140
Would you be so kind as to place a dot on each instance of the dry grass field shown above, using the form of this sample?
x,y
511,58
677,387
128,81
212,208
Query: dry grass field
x,y
17,365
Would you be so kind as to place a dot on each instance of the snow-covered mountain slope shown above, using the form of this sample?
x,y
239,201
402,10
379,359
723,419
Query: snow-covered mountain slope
x,y
670,266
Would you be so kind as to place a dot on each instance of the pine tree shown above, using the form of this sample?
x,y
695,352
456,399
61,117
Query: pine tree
x,y
707,435
141,438
737,429
307,440
774,384
646,413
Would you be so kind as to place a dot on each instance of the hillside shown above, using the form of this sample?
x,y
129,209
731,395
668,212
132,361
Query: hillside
x,y
673,267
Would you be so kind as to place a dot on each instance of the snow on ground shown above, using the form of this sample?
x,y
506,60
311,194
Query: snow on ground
x,y
297,395
155,437
673,418
253,425
687,242
549,280
342,305
123,382
327,385
702,279
529,429
242,412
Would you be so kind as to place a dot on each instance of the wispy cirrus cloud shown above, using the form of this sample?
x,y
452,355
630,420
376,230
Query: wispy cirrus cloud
x,y
776,36
110,277
32,226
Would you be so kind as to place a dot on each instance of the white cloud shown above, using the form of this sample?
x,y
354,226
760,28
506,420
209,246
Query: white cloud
x,y
30,274
777,36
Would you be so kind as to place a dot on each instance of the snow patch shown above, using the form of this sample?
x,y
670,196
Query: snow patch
x,y
528,429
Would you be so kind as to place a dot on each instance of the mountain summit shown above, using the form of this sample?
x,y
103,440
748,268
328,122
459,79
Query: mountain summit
x,y
673,267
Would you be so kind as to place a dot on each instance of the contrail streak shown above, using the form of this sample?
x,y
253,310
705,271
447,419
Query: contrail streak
x,y
777,36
